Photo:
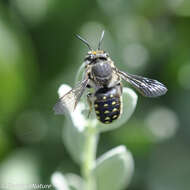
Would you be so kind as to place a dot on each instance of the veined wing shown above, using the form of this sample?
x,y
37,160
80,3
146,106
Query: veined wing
x,y
147,87
69,101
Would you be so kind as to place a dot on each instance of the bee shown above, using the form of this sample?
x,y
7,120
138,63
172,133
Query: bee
x,y
101,75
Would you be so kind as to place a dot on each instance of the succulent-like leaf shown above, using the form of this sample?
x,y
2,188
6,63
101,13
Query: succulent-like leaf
x,y
114,169
74,140
77,121
73,132
80,120
59,182
75,182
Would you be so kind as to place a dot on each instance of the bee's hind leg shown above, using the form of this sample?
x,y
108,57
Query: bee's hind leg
x,y
89,100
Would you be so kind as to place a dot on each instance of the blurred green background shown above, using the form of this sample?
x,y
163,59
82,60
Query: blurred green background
x,y
38,52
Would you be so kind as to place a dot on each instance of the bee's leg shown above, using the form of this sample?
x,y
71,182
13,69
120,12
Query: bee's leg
x,y
89,100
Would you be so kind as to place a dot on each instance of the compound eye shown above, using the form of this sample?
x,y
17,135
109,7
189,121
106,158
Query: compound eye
x,y
106,54
89,58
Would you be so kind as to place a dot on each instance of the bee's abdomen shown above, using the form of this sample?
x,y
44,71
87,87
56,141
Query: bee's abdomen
x,y
107,105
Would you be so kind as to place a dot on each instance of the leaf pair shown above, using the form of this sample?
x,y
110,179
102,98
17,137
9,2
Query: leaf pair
x,y
113,170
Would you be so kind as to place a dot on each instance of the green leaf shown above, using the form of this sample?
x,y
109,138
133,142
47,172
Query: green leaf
x,y
114,169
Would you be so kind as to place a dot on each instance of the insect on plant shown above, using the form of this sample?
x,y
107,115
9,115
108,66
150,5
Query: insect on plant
x,y
105,79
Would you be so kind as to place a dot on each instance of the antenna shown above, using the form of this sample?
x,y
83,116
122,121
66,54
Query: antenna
x,y
102,36
84,41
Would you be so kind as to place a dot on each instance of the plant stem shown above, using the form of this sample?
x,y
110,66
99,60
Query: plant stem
x,y
89,158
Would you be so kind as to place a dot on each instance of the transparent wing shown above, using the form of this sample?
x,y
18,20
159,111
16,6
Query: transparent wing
x,y
147,87
69,101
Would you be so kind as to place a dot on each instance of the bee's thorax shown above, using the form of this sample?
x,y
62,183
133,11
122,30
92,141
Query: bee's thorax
x,y
102,72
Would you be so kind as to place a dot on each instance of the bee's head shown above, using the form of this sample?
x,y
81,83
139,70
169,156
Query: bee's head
x,y
95,56
92,55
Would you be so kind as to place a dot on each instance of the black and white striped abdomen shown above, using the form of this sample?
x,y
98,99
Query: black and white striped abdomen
x,y
107,104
